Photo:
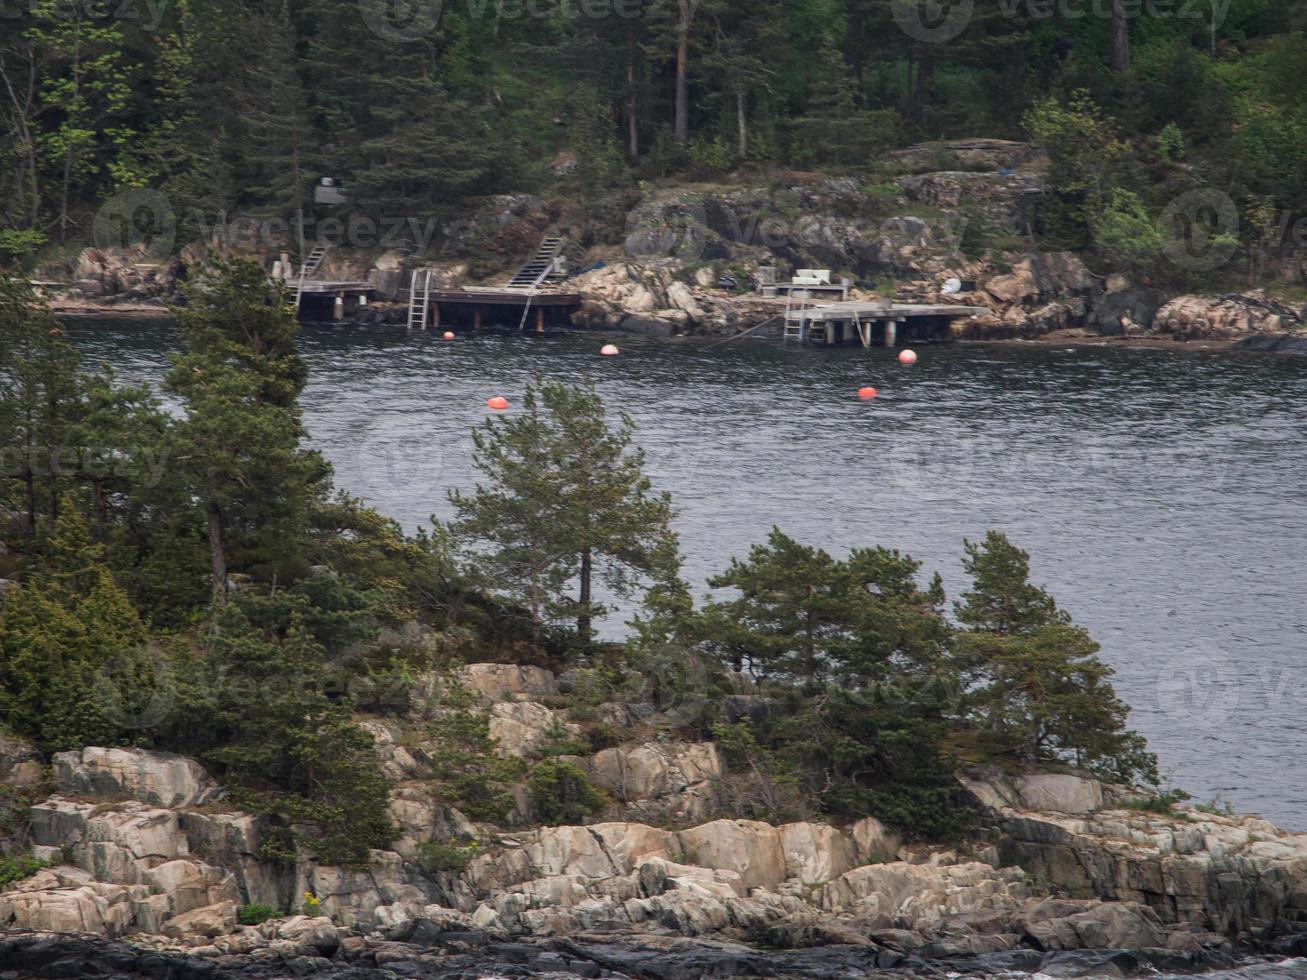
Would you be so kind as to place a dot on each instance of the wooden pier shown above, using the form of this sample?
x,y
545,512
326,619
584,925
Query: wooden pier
x,y
869,322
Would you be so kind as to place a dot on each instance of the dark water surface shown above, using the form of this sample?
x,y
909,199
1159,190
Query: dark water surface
x,y
1160,493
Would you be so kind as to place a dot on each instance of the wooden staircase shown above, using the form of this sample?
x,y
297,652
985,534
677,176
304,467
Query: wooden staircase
x,y
541,267
419,299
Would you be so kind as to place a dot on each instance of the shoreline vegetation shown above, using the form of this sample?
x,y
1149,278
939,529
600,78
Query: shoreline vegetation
x,y
230,692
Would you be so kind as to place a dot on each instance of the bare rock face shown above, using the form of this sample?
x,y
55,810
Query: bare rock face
x,y
1200,871
1223,317
93,907
751,849
493,682
670,781
161,778
519,728
874,841
815,852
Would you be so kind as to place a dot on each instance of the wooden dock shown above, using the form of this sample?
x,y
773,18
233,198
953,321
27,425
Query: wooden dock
x,y
869,322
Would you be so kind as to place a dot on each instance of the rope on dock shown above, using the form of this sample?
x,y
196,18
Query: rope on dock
x,y
745,333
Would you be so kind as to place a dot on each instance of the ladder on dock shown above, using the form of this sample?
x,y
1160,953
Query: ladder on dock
x,y
419,299
313,261
541,266
796,321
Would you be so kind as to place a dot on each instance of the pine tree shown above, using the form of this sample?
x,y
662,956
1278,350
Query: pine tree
x,y
40,403
566,501
1042,693
240,441
794,613
71,645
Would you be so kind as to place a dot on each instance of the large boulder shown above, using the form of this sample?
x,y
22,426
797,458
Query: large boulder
x,y
815,853
748,847
161,778
874,841
190,885
95,907
207,922
661,781
1094,925
497,682
1058,793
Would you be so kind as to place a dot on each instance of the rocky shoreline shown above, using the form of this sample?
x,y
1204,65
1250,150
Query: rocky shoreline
x,y
1062,874
651,261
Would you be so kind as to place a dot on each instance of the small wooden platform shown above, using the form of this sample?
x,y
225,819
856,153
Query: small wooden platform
x,y
504,296
871,322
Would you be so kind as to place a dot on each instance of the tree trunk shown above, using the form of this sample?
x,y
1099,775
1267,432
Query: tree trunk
x,y
682,130
632,119
1118,55
741,121
583,618
217,554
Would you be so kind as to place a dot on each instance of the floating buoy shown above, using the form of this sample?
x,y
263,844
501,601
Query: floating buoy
x,y
907,357
608,350
498,403
867,393
448,335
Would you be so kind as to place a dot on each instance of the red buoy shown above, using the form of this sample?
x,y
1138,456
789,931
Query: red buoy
x,y
609,350
907,357
867,393
448,335
498,403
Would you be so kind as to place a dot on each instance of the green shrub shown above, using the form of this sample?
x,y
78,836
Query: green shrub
x,y
254,915
14,869
561,794
447,857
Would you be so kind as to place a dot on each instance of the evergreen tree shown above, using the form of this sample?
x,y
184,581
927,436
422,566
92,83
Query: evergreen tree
x,y
794,614
240,441
254,705
1042,695
71,645
566,501
40,404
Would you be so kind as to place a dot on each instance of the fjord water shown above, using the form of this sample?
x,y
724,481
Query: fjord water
x,y
1160,493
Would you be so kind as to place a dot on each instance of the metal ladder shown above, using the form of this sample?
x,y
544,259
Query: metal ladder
x,y
796,324
419,299
313,261
541,266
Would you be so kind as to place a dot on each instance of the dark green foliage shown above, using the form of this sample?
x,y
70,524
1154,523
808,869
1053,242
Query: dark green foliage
x,y
462,761
256,706
13,869
446,857
72,657
1040,692
254,915
566,502
561,793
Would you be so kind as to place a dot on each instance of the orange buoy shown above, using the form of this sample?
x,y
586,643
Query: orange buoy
x,y
448,335
498,403
907,357
867,393
608,350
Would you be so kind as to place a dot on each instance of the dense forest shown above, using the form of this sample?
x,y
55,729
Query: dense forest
x,y
239,106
